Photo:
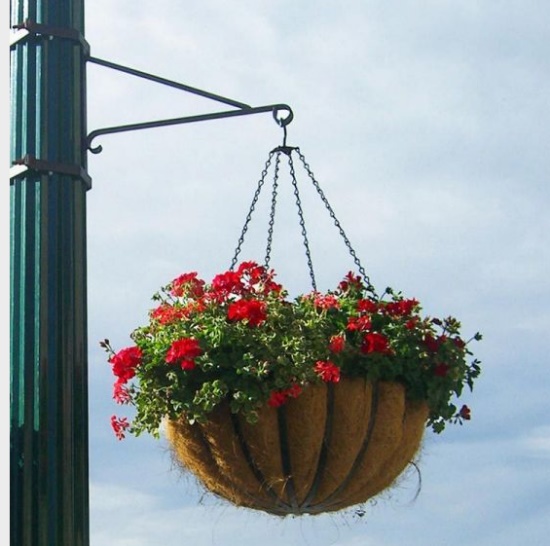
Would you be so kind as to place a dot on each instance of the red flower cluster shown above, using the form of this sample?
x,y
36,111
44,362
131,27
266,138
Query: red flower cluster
x,y
325,301
252,311
441,369
433,344
226,284
124,363
121,393
373,342
351,282
280,397
183,352
187,285
400,308
359,324
337,343
166,313
376,342
256,279
119,426
327,371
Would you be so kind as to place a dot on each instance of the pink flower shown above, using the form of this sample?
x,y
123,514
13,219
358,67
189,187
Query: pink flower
x,y
327,371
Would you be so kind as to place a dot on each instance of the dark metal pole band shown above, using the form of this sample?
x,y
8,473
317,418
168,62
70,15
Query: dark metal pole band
x,y
31,163
31,28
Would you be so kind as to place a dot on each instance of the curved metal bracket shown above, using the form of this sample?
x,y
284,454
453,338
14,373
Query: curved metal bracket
x,y
243,109
274,108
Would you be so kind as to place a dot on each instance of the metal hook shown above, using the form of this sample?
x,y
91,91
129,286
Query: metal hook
x,y
283,122
284,148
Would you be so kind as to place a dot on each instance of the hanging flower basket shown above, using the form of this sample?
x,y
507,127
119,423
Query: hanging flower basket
x,y
291,406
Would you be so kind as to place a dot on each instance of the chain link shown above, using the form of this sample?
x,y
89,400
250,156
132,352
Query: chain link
x,y
272,211
288,151
336,221
302,222
251,210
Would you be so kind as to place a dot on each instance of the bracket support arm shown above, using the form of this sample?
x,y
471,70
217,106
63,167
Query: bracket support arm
x,y
273,108
242,108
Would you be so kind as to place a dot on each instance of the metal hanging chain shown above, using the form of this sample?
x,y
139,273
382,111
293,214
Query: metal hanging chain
x,y
251,210
370,288
272,211
302,221
288,151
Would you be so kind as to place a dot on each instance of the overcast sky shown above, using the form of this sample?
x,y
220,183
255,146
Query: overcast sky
x,y
427,124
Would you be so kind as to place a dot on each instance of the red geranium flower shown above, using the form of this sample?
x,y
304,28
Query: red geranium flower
x,y
411,323
252,311
280,397
325,301
327,371
351,281
401,307
183,352
431,343
166,313
187,285
225,284
125,362
359,324
256,279
120,392
119,426
367,306
337,343
441,370
374,342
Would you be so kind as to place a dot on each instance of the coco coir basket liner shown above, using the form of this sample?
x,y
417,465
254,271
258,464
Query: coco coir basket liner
x,y
335,446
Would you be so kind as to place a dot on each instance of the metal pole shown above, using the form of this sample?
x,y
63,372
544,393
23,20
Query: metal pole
x,y
48,381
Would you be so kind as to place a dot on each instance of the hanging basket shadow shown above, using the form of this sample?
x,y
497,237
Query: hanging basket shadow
x,y
333,447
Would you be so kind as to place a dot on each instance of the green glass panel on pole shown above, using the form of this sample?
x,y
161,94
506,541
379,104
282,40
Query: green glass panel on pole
x,y
48,315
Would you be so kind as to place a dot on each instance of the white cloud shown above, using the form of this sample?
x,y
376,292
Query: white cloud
x,y
537,442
